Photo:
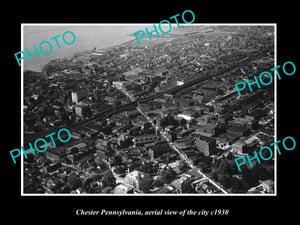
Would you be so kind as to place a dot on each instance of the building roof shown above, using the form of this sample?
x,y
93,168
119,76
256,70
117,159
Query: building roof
x,y
161,147
138,175
240,143
58,151
205,138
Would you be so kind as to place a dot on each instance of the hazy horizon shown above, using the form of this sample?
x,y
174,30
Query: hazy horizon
x,y
87,37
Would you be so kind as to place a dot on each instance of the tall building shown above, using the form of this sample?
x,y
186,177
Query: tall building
x,y
206,145
78,96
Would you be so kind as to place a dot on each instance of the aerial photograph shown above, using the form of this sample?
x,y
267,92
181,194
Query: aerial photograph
x,y
158,117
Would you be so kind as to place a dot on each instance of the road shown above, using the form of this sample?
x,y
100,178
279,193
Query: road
x,y
182,154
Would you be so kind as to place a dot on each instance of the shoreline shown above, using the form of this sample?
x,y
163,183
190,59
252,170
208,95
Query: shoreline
x,y
78,52
176,32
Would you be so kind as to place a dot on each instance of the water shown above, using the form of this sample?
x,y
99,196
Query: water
x,y
87,37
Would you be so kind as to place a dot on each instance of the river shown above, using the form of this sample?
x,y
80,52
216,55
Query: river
x,y
87,37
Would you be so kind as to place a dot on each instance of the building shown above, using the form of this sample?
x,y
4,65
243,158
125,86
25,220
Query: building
x,y
169,100
220,107
211,129
165,190
78,96
82,110
134,74
237,131
123,189
225,118
56,154
204,119
182,183
206,145
158,150
247,122
118,84
140,180
79,146
267,185
53,167
198,97
239,146
184,101
197,184
144,139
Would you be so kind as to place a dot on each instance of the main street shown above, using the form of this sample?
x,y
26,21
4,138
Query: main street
x,y
173,146
182,154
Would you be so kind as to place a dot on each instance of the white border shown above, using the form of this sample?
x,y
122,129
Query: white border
x,y
147,24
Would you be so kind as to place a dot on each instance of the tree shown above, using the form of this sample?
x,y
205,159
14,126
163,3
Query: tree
x,y
167,174
108,179
229,156
116,161
169,120
214,175
260,173
237,186
203,166
126,143
225,180
75,181
248,179
158,182
187,187
224,167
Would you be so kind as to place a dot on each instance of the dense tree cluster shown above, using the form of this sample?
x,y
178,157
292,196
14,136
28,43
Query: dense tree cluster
x,y
225,172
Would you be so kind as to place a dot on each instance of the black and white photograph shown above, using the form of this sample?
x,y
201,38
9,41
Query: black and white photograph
x,y
162,116
150,113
